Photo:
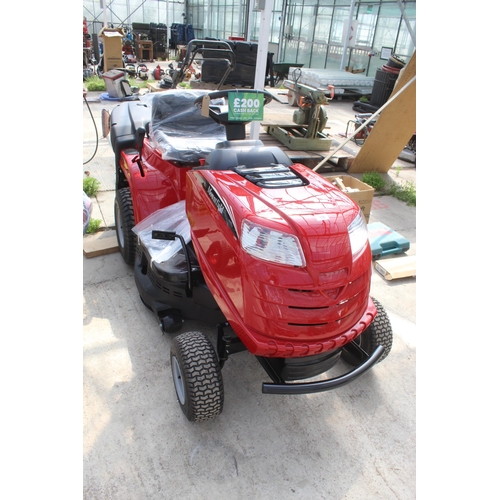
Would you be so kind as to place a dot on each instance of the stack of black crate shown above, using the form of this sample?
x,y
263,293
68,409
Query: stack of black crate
x,y
159,35
244,72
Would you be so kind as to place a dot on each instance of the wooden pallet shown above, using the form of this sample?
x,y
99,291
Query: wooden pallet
x,y
100,243
397,267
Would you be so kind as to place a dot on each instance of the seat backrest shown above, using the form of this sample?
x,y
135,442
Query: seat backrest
x,y
232,154
178,127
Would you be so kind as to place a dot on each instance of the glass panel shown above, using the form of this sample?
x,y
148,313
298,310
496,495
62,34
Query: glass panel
x,y
337,29
316,25
276,21
304,25
405,45
334,56
122,13
318,57
323,24
291,50
304,52
387,27
367,20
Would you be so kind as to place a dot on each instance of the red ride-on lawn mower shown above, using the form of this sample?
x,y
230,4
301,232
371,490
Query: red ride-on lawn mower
x,y
227,231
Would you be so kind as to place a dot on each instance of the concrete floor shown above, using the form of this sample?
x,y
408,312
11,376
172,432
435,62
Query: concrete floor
x,y
357,442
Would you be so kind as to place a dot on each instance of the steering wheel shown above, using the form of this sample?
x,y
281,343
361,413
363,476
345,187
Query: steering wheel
x,y
220,113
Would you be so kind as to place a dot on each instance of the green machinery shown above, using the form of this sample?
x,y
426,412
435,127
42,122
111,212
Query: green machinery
x,y
310,119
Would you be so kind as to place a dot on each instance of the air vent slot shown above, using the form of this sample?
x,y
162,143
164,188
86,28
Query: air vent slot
x,y
308,308
308,324
271,176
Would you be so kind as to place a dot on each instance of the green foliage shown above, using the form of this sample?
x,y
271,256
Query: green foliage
x,y
95,83
93,226
406,192
142,84
373,179
90,186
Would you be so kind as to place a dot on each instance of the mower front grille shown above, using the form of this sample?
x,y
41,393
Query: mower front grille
x,y
309,313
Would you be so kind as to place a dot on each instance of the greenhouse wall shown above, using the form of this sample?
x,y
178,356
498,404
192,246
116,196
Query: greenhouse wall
x,y
309,32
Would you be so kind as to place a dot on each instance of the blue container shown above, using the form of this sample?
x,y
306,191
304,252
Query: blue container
x,y
385,241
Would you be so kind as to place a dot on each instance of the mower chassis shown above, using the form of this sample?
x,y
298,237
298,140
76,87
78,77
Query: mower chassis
x,y
172,302
281,387
308,366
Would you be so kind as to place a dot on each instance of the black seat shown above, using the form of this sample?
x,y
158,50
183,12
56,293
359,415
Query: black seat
x,y
231,154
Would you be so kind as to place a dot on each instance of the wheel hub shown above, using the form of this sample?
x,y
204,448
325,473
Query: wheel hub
x,y
178,381
119,226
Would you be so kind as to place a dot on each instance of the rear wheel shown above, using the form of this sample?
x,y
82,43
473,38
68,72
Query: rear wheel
x,y
197,376
378,333
124,221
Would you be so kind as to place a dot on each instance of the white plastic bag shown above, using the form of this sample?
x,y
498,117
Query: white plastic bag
x,y
87,211
172,218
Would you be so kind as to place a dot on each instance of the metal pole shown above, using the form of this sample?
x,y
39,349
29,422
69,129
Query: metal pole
x,y
104,8
249,21
346,41
284,14
403,13
260,69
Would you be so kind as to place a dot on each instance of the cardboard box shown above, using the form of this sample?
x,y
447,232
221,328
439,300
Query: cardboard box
x,y
358,191
112,41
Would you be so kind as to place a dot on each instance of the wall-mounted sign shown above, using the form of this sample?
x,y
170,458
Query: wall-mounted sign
x,y
385,53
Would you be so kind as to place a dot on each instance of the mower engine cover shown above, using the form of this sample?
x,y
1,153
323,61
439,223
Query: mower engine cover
x,y
283,251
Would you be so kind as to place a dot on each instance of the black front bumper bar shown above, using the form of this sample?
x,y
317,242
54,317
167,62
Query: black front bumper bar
x,y
324,385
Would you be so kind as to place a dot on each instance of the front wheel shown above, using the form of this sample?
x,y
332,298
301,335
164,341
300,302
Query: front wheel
x,y
378,333
197,376
124,222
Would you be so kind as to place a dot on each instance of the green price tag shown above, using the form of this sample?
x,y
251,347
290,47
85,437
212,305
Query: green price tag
x,y
245,106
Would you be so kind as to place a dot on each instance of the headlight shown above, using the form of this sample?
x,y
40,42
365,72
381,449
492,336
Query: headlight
x,y
358,234
271,245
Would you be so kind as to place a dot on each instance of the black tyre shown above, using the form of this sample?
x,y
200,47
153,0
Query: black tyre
x,y
378,333
124,222
197,376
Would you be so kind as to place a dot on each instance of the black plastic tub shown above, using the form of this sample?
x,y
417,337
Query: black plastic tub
x,y
383,85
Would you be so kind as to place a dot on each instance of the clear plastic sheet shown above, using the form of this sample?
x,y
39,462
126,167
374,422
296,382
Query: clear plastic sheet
x,y
87,211
321,78
178,128
172,218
